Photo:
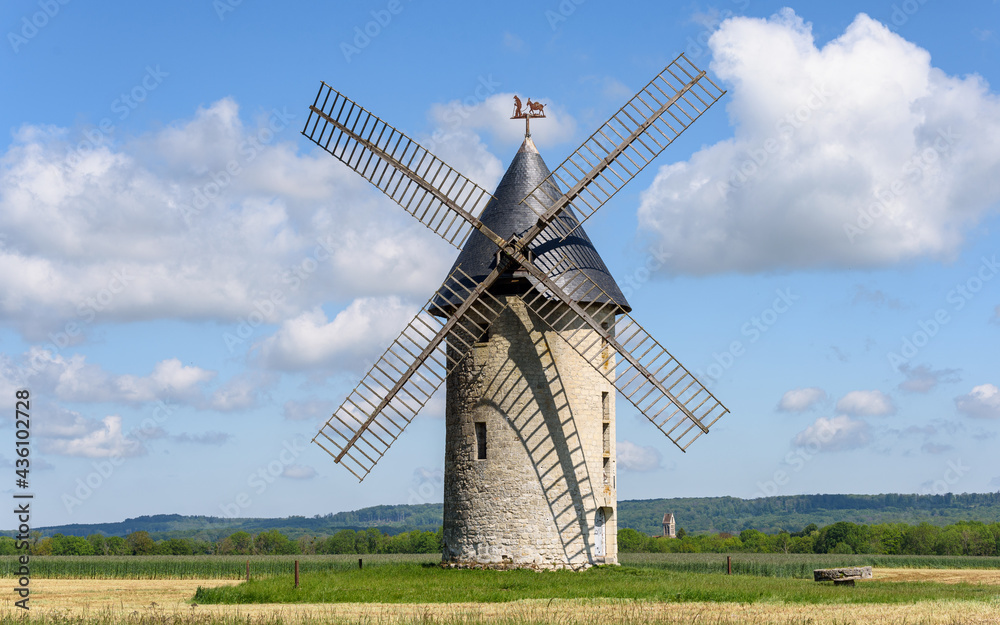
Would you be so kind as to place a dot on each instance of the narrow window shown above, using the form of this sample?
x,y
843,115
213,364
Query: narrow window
x,y
606,435
481,439
605,407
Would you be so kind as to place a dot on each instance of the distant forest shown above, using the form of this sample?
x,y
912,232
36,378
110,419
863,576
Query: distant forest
x,y
701,515
968,538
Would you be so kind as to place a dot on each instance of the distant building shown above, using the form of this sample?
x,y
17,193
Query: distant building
x,y
669,526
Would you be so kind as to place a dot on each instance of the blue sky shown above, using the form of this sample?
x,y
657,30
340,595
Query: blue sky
x,y
189,287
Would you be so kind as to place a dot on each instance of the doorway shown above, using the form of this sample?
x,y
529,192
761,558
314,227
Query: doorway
x,y
599,547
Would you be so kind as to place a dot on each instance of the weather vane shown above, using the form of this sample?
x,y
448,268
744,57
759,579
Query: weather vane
x,y
535,109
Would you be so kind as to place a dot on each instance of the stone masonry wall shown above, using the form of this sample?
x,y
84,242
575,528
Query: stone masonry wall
x,y
533,501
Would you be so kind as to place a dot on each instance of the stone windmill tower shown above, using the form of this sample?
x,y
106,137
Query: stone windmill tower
x,y
529,329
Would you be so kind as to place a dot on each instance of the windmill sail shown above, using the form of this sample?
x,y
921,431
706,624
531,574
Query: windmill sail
x,y
425,186
650,377
400,384
437,340
627,142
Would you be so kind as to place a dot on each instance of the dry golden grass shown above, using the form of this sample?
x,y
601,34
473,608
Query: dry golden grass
x,y
132,600
946,576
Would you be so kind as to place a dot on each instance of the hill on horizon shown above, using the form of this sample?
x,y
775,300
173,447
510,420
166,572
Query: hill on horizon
x,y
694,514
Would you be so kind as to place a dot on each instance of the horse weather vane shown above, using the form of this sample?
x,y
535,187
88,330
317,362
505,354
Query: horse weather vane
x,y
534,110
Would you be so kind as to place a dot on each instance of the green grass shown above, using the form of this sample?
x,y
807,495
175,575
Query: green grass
x,y
796,565
192,567
416,583
234,567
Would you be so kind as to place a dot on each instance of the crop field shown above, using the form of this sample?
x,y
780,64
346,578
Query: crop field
x,y
193,567
795,564
660,588
234,567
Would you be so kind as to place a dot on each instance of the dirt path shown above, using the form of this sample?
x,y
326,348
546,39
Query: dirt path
x,y
121,599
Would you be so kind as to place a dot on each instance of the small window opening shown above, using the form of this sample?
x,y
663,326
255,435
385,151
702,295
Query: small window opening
x,y
484,336
607,470
605,407
481,439
606,435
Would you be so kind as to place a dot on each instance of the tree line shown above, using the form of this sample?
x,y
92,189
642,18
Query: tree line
x,y
966,538
270,542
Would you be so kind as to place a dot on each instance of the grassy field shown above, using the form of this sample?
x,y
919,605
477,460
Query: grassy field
x,y
120,602
234,567
796,565
426,583
652,589
193,567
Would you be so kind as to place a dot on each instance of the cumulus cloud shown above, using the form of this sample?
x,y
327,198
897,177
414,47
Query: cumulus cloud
x,y
362,331
922,379
90,438
801,399
72,378
240,392
866,403
821,134
639,458
840,433
982,402
158,226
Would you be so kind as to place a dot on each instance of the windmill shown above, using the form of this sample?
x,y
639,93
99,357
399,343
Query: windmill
x,y
529,329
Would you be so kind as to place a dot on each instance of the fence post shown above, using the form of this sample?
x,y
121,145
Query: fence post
x,y
296,573
248,570
359,563
729,565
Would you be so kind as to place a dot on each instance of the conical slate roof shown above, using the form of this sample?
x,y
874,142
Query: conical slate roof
x,y
506,216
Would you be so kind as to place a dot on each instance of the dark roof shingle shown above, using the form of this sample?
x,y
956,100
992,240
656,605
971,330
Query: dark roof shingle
x,y
506,216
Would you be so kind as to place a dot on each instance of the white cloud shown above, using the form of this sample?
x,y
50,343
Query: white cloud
x,y
819,134
632,457
100,236
982,402
72,378
866,403
240,392
298,472
362,331
840,433
90,439
801,399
